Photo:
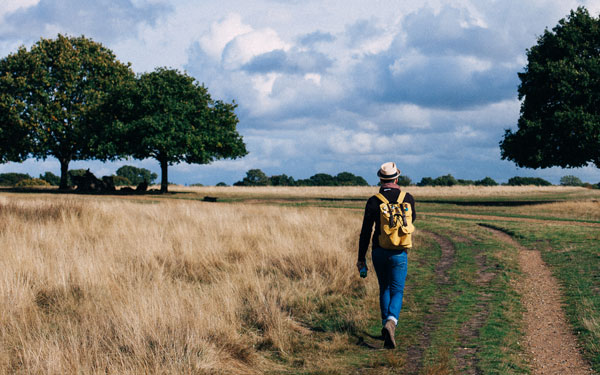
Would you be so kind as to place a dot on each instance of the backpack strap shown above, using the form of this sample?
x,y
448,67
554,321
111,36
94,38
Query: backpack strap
x,y
384,199
401,197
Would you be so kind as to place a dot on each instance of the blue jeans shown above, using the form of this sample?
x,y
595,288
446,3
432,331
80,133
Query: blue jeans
x,y
390,267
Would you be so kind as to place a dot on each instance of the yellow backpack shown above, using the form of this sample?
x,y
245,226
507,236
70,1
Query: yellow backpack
x,y
395,223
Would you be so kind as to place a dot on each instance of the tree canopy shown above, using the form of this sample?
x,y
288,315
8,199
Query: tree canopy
x,y
559,123
52,98
174,119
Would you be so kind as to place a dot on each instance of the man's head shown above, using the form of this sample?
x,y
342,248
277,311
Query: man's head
x,y
388,172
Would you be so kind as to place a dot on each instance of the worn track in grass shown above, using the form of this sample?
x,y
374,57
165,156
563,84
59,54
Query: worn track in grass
x,y
549,341
466,355
440,304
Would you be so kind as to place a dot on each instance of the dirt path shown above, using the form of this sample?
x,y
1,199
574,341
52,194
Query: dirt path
x,y
506,218
415,353
548,339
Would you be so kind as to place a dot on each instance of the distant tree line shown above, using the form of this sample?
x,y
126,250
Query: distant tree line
x,y
256,177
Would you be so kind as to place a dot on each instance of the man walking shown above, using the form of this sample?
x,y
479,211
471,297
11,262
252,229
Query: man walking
x,y
392,211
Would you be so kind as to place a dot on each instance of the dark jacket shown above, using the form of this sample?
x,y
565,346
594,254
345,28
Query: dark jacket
x,y
372,216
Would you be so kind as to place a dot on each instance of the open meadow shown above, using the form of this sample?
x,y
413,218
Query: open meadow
x,y
263,281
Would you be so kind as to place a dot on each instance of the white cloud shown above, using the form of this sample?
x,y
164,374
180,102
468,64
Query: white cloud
x,y
243,48
221,33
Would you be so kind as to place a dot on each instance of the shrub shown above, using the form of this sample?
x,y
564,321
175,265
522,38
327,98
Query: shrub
x,y
521,181
11,179
197,184
221,184
29,182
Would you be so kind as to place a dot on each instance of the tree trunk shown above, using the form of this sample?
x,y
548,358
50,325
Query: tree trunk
x,y
64,174
164,181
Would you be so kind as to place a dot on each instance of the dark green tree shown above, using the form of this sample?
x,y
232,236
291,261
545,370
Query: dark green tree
x,y
487,181
50,178
121,181
254,177
425,181
570,180
136,175
559,123
173,119
447,180
321,179
349,179
404,180
52,101
282,180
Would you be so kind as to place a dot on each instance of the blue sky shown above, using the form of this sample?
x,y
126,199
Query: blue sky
x,y
325,86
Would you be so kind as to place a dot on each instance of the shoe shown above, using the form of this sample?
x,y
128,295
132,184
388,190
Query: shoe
x,y
388,331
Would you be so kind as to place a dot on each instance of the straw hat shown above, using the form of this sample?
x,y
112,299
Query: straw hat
x,y
388,171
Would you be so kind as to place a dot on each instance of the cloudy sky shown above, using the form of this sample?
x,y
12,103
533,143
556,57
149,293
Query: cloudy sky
x,y
325,86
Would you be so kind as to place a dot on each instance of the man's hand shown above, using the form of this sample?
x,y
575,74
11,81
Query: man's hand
x,y
360,265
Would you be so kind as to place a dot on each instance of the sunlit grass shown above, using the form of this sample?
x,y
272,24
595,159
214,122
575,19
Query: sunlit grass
x,y
106,286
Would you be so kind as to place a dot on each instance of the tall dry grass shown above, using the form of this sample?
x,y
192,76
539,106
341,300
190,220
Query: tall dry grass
x,y
107,286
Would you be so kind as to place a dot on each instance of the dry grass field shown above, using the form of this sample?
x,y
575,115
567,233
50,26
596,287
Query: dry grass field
x,y
106,286
173,285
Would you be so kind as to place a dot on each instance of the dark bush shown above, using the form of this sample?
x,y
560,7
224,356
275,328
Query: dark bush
x,y
523,181
11,179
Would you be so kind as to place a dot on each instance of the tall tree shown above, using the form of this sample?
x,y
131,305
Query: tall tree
x,y
52,98
176,120
560,92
